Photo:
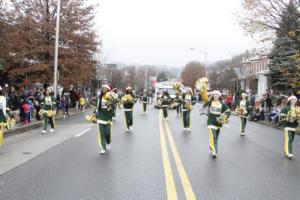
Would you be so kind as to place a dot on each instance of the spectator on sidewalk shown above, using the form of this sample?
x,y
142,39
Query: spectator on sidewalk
x,y
228,100
235,100
268,102
39,96
30,109
274,114
66,103
37,107
72,98
252,104
258,114
14,104
6,90
77,97
58,103
2,114
81,102
25,112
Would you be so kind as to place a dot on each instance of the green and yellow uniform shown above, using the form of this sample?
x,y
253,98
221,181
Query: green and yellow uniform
x,y
178,100
48,106
289,128
104,114
215,110
165,99
187,105
243,109
145,101
128,103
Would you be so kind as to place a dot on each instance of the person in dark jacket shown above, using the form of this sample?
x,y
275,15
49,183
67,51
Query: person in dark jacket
x,y
37,107
268,103
57,103
144,100
165,99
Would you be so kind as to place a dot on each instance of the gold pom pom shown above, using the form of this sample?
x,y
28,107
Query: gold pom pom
x,y
91,118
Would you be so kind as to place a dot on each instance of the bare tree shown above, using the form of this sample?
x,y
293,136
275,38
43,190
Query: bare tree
x,y
262,18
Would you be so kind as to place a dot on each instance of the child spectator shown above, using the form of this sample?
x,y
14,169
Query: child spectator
x,y
25,112
228,100
66,103
30,109
274,114
81,102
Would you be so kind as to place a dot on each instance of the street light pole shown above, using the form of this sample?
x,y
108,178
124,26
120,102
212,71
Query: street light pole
x,y
56,48
205,53
146,79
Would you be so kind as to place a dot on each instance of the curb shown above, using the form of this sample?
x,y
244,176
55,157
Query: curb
x,y
37,124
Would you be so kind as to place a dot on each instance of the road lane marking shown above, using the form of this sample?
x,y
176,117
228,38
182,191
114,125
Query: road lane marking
x,y
187,187
169,179
226,126
83,132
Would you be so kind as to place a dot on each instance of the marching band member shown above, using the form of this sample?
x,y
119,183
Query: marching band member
x,y
128,103
188,100
178,100
104,114
145,100
48,106
2,115
165,98
218,114
242,110
290,117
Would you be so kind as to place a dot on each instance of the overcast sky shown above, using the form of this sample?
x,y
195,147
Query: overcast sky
x,y
161,32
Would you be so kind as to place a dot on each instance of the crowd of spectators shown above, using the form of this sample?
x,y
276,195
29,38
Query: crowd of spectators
x,y
266,108
24,105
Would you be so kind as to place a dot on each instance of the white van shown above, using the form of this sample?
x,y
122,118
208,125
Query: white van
x,y
159,87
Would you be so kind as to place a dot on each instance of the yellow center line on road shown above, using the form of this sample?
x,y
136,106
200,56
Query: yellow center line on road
x,y
170,185
187,187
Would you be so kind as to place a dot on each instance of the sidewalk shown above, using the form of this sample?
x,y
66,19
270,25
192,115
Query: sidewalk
x,y
20,128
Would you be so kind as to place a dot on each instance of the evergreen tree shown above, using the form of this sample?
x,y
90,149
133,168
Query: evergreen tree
x,y
284,58
162,76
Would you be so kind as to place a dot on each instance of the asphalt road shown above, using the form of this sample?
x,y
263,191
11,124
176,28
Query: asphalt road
x,y
157,160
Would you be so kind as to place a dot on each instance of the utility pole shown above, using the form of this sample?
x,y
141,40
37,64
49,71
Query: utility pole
x,y
56,48
146,79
